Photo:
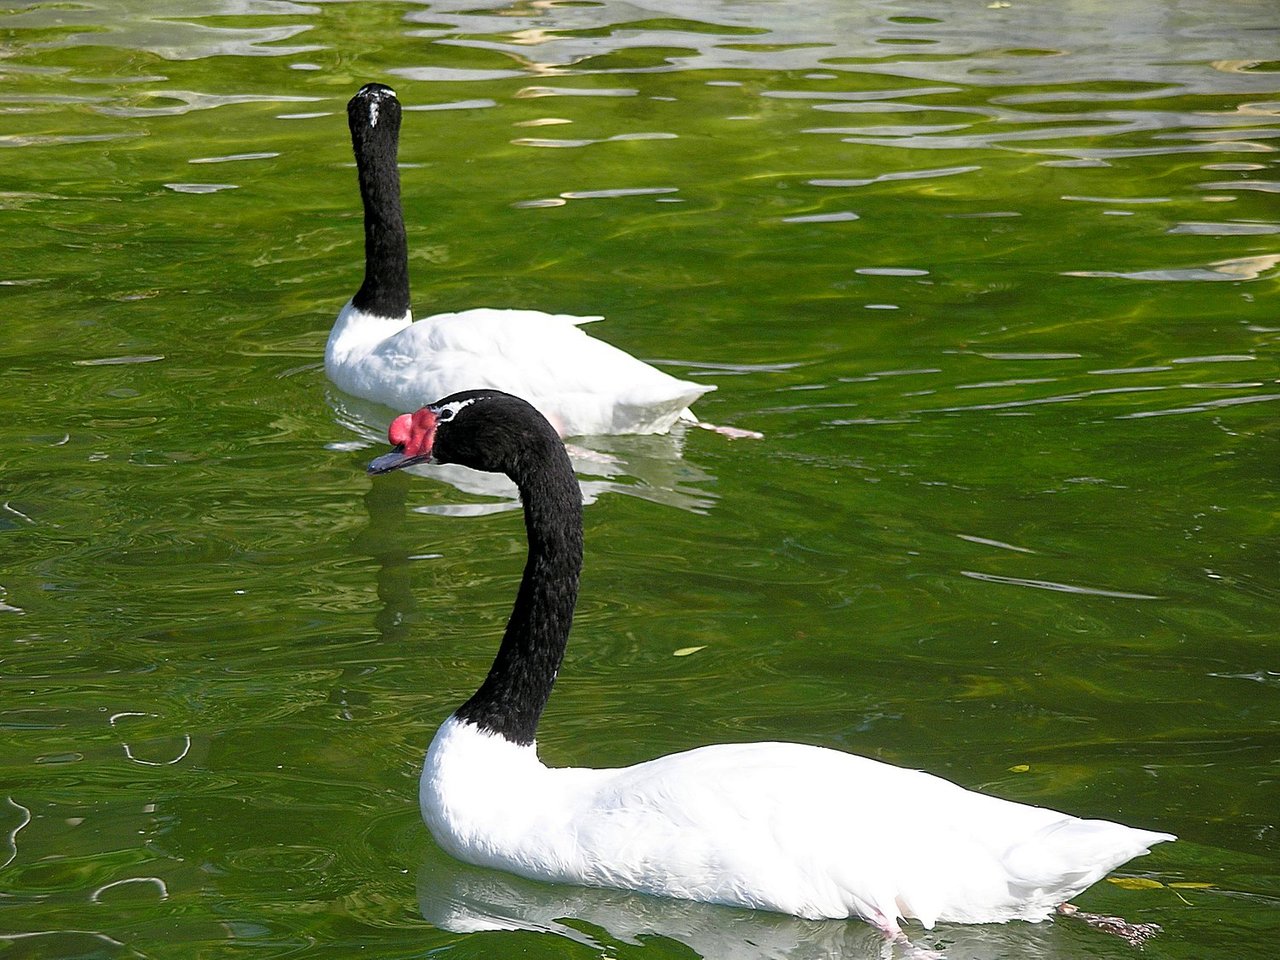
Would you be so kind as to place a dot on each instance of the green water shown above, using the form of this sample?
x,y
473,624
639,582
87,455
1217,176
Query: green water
x,y
998,284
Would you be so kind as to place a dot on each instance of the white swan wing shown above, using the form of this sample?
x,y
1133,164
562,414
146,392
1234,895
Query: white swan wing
x,y
821,833
583,385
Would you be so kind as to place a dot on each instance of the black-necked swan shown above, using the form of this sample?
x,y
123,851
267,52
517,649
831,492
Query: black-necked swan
x,y
795,829
376,351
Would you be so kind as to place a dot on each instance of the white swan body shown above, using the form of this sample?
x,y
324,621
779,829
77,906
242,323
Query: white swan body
x,y
582,385
795,829
376,351
774,826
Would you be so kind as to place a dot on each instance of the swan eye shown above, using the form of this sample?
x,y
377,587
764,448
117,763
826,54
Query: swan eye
x,y
447,411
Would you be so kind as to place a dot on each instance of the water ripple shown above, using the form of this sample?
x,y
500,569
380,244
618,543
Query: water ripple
x,y
1242,268
480,103
988,542
233,157
201,187
1230,228
189,100
452,74
166,28
586,142
895,175
60,139
1217,404
1056,587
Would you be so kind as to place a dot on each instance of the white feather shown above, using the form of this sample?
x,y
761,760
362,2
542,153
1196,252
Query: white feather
x,y
582,385
775,826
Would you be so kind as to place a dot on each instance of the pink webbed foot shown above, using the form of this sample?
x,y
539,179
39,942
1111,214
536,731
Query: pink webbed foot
x,y
733,433
900,947
1134,934
897,945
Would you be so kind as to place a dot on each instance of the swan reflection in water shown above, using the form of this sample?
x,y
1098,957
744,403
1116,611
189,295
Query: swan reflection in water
x,y
652,467
459,898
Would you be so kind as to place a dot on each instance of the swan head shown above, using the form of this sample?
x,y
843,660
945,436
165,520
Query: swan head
x,y
374,105
482,429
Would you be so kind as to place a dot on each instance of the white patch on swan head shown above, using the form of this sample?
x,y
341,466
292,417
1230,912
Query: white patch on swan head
x,y
375,102
447,411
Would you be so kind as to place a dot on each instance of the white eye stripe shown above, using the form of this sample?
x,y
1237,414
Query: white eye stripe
x,y
376,102
448,411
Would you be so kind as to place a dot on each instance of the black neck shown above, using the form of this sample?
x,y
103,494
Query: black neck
x,y
385,291
513,695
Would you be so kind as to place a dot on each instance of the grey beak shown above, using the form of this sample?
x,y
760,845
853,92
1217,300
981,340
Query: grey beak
x,y
392,461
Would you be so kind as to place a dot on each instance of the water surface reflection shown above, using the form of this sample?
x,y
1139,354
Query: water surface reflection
x,y
652,468
464,899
